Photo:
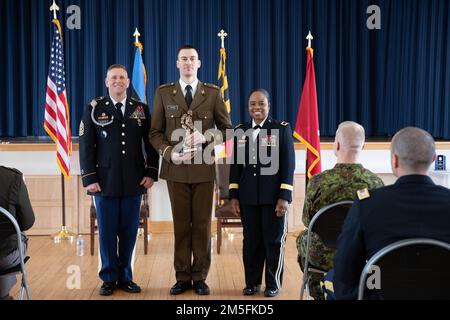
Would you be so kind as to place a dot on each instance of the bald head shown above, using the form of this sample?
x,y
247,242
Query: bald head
x,y
351,136
414,149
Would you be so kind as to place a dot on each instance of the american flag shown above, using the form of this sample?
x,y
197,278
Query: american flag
x,y
56,121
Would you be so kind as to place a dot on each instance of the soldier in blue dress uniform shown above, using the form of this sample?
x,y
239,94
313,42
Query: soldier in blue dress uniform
x,y
118,165
261,185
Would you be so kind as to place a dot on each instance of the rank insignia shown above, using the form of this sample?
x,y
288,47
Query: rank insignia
x,y
81,130
363,194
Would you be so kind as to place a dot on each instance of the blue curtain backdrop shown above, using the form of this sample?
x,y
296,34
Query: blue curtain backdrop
x,y
385,79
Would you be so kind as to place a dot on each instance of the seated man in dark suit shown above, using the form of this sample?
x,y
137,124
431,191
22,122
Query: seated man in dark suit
x,y
413,207
14,198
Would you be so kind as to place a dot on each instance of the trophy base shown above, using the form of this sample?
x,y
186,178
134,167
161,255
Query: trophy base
x,y
193,149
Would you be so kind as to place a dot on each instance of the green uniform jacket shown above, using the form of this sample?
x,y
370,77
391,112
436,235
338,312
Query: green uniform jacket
x,y
14,198
330,186
169,106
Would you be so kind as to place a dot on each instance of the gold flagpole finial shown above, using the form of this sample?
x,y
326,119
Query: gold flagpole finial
x,y
136,34
54,8
222,35
309,37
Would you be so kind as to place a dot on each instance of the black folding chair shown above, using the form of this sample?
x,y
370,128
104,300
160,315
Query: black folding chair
x,y
327,224
19,268
411,269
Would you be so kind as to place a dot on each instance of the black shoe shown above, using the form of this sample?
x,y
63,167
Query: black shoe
x,y
180,287
271,292
201,288
107,288
251,290
130,287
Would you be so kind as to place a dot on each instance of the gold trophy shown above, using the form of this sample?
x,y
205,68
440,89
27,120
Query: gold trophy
x,y
187,123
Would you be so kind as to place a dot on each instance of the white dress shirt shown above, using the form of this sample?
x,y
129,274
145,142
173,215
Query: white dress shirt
x,y
123,104
256,132
193,85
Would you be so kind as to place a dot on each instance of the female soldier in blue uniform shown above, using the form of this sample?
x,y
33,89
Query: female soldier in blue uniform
x,y
261,184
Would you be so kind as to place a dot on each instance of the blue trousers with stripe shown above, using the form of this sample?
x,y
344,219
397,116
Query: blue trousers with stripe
x,y
264,241
118,221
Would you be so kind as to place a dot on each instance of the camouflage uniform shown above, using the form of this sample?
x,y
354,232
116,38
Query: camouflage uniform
x,y
337,184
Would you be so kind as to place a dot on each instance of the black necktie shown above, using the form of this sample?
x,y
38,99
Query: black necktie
x,y
188,96
119,110
257,127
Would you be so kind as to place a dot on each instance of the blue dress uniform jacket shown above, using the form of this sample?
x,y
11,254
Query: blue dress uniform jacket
x,y
111,150
248,183
413,207
262,173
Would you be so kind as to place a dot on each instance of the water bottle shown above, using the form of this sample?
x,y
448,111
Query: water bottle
x,y
80,246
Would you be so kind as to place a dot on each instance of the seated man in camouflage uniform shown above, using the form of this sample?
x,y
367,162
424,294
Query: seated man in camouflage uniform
x,y
330,186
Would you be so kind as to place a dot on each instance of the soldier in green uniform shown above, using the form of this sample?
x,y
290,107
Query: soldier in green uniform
x,y
330,186
14,198
190,181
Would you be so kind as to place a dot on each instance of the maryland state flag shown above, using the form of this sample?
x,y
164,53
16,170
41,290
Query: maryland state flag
x,y
307,124
223,80
139,77
225,149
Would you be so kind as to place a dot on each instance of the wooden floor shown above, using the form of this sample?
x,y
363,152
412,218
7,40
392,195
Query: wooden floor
x,y
50,265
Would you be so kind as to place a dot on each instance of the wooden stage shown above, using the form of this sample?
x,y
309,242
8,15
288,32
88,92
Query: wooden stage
x,y
51,269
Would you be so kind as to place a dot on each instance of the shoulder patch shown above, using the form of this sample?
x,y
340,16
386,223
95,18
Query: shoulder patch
x,y
81,130
95,101
210,85
363,194
167,85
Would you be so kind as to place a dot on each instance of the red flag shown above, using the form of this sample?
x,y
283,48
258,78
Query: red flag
x,y
307,124
56,122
